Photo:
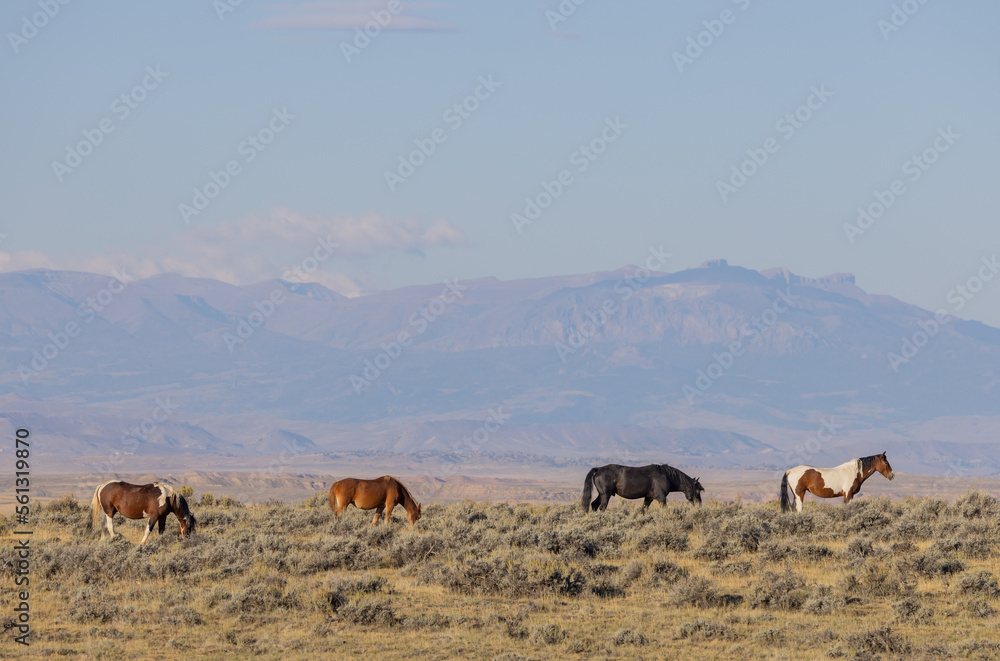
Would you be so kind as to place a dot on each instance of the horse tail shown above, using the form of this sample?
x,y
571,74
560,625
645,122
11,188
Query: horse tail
x,y
588,487
334,501
96,511
785,503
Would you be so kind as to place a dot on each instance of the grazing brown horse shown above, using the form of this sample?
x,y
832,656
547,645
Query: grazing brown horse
x,y
844,480
135,501
379,494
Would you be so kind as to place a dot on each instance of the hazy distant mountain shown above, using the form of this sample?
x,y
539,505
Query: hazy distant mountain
x,y
718,364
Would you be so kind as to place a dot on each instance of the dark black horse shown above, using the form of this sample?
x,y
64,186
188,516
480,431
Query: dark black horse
x,y
652,482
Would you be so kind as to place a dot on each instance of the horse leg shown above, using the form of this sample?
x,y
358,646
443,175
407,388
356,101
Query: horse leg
x,y
646,503
149,528
109,524
378,513
605,499
800,496
597,501
388,512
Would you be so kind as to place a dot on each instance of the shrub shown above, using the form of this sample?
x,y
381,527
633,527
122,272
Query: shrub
x,y
977,504
629,637
769,636
878,640
715,549
341,591
933,563
660,539
981,583
911,610
700,592
785,591
730,568
876,580
228,502
823,605
369,609
746,532
703,629
549,634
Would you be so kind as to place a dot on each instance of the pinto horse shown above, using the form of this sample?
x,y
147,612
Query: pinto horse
x,y
652,482
135,501
380,494
844,480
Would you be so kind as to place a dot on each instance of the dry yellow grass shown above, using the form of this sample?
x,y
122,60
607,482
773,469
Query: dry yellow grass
x,y
906,579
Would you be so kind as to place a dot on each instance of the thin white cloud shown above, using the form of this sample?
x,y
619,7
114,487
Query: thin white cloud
x,y
351,15
261,248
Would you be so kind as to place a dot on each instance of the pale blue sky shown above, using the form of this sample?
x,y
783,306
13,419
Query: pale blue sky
x,y
324,174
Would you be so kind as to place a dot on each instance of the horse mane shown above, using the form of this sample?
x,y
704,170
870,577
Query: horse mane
x,y
867,463
406,493
677,475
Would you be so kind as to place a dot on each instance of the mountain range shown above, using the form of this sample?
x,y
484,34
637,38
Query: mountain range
x,y
715,366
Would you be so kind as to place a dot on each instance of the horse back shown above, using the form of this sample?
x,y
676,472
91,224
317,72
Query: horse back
x,y
134,500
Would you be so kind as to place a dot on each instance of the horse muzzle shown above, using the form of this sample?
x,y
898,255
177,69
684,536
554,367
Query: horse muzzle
x,y
891,475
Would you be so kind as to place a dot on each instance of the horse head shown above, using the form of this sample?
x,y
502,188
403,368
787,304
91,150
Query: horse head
x,y
693,492
882,466
413,514
184,515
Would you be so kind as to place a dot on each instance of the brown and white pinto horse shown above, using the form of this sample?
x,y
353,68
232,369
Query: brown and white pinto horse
x,y
135,501
844,480
380,494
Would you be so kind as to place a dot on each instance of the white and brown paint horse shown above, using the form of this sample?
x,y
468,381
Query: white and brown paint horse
x,y
844,480
137,501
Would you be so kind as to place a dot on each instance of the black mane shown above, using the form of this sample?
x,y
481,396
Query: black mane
x,y
677,477
867,463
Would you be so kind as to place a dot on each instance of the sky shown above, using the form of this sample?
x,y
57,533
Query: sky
x,y
512,139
